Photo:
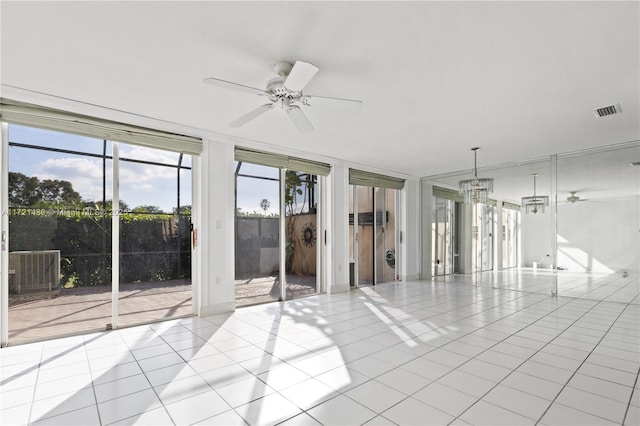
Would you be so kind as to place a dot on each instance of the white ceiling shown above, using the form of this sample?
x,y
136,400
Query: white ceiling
x,y
518,79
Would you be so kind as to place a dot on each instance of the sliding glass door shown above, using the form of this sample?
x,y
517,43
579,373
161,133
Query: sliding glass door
x,y
510,221
373,229
257,234
443,236
301,233
483,230
155,235
61,234
276,233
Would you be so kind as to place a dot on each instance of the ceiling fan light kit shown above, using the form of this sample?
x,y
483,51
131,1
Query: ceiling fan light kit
x,y
535,203
476,190
285,91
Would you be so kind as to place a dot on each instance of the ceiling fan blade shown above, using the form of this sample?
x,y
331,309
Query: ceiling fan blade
x,y
241,121
299,119
234,86
345,105
300,75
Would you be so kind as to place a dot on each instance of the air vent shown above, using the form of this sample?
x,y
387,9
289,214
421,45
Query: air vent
x,y
607,110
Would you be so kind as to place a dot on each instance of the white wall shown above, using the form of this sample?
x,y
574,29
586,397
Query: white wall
x,y
214,254
599,236
411,229
338,230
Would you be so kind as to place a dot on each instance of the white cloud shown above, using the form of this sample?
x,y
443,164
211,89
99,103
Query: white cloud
x,y
85,174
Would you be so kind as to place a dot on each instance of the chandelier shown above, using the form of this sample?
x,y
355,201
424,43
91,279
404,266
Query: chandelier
x,y
476,190
537,203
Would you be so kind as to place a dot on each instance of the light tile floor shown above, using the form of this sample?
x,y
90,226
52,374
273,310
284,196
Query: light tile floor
x,y
415,353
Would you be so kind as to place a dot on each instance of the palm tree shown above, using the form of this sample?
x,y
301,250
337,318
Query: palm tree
x,y
265,204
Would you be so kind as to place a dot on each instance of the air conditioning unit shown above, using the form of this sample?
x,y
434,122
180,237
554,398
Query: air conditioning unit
x,y
34,271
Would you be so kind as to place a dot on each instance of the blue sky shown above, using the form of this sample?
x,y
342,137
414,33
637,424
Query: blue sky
x,y
252,191
140,184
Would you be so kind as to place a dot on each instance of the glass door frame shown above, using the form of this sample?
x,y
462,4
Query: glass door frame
x,y
4,248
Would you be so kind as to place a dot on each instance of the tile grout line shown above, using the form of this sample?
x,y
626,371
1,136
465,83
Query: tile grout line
x,y
633,391
584,360
528,358
469,304
93,386
35,386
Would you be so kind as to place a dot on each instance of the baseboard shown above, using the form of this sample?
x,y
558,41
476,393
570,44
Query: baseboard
x,y
338,288
221,308
412,277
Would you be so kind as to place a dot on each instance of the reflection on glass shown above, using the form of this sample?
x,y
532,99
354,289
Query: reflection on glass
x,y
483,237
510,238
443,234
257,234
598,212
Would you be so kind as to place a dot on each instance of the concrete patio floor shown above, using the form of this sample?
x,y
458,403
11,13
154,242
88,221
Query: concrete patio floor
x,y
86,309
89,308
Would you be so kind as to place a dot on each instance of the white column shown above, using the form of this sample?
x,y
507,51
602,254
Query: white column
x,y
426,203
214,225
412,231
338,235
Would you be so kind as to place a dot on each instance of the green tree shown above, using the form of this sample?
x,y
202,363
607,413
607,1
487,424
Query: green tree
x,y
23,190
147,209
30,191
183,210
99,205
58,192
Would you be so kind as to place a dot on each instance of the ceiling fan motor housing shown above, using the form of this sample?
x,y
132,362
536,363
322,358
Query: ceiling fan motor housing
x,y
282,68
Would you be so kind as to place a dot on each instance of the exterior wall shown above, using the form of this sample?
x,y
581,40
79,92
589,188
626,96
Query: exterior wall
x,y
305,253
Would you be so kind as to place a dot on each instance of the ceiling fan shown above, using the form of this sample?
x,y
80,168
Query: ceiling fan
x,y
573,198
285,91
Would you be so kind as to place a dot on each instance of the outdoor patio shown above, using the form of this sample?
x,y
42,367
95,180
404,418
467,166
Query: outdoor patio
x,y
84,309
252,290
